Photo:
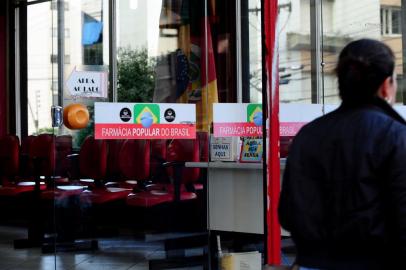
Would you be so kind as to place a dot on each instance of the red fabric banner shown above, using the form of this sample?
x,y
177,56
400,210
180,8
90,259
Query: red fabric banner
x,y
273,185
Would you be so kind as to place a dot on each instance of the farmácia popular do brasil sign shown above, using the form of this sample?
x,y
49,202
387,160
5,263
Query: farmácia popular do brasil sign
x,y
144,121
237,119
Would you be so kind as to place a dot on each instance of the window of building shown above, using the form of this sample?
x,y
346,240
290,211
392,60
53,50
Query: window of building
x,y
391,22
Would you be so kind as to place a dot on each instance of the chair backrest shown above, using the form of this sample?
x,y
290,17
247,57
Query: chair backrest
x,y
93,158
9,155
114,148
285,143
42,155
158,157
25,169
203,138
63,149
135,159
185,151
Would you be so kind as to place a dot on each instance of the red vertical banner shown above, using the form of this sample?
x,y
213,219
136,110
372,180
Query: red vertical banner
x,y
3,107
273,162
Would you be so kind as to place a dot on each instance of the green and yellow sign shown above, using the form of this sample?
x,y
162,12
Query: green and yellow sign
x,y
254,114
146,114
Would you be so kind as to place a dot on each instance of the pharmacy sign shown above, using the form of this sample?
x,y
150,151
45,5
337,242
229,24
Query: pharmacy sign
x,y
237,119
145,121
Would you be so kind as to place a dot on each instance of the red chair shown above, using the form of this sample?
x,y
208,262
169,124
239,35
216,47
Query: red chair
x,y
120,155
43,155
203,138
133,161
158,173
25,170
63,150
40,164
285,143
72,211
113,173
178,152
92,162
9,159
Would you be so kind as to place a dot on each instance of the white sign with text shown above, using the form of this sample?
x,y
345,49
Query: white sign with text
x,y
87,83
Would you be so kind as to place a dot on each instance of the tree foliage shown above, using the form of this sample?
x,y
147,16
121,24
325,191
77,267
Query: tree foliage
x,y
136,81
136,76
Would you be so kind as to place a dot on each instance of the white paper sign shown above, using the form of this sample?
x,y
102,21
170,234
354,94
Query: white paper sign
x,y
87,83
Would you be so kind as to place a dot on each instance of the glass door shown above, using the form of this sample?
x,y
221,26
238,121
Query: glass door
x,y
31,222
81,36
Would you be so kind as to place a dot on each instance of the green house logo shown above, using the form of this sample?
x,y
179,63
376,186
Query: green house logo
x,y
146,114
254,114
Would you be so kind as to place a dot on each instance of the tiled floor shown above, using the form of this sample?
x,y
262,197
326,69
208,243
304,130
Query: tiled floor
x,y
113,254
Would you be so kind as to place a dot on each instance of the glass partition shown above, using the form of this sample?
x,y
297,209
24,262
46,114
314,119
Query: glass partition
x,y
26,162
235,168
71,202
160,62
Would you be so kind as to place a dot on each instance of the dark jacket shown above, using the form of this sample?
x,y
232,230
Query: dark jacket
x,y
343,194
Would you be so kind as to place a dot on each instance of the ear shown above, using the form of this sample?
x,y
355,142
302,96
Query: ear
x,y
384,90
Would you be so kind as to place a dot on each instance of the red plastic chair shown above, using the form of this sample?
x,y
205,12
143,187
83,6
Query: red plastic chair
x,y
9,164
133,162
9,159
178,152
63,150
40,165
113,173
25,170
92,162
129,162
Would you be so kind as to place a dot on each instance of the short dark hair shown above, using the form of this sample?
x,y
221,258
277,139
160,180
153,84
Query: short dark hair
x,y
363,65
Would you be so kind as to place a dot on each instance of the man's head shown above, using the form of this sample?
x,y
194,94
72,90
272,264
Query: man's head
x,y
365,70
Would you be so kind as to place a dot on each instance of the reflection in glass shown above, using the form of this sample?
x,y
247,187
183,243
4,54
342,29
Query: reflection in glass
x,y
294,51
86,49
255,50
345,21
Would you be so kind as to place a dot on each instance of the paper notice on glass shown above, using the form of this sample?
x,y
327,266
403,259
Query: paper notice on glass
x,y
241,261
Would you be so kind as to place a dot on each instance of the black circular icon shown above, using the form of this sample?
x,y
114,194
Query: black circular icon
x,y
125,114
169,115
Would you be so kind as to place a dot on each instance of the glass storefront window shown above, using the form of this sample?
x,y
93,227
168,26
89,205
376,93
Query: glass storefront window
x,y
195,52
